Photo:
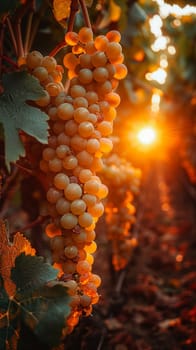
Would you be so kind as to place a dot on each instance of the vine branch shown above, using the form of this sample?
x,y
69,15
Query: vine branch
x,y
9,60
74,10
29,27
57,48
12,35
28,32
19,38
62,44
85,13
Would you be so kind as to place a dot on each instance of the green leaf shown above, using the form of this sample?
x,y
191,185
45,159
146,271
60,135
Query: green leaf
x,y
22,86
136,14
7,327
31,273
29,341
46,313
39,306
16,114
4,300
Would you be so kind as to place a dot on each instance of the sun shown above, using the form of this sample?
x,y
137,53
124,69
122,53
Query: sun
x,y
147,135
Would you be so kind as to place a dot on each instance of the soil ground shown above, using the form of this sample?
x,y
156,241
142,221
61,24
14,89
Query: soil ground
x,y
151,304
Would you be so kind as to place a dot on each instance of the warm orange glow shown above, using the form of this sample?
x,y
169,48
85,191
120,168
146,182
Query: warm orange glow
x,y
147,135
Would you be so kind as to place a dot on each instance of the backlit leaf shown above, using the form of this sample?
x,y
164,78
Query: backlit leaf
x,y
9,252
16,114
61,9
137,14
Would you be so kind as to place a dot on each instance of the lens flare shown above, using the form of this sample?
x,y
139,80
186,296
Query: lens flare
x,y
147,135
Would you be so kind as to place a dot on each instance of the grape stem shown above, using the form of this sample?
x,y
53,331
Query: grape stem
x,y
29,27
28,32
74,10
62,44
28,171
9,24
85,13
9,60
20,13
19,38
57,48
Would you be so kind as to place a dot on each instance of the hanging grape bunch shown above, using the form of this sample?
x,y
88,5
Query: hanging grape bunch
x,y
81,122
123,182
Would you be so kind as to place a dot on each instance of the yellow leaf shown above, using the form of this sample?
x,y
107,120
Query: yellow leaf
x,y
115,11
9,252
61,9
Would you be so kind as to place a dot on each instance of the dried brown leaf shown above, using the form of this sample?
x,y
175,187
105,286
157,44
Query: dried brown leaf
x,y
9,252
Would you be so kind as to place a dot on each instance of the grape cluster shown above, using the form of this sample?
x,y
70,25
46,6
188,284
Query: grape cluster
x,y
81,122
123,181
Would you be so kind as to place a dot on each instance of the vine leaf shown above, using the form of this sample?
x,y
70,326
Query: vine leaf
x,y
61,9
47,312
137,14
37,304
16,114
9,252
34,276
